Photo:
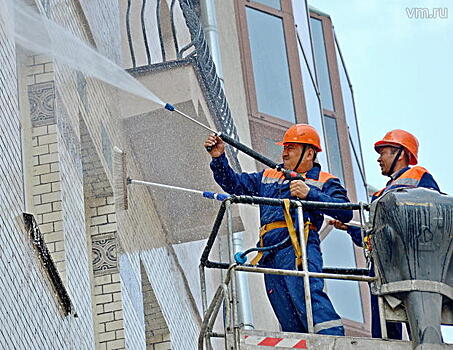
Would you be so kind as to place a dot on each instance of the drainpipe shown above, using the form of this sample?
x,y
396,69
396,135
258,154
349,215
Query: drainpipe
x,y
209,22
245,310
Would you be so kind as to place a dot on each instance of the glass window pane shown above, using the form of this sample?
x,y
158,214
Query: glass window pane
x,y
333,147
345,295
322,69
353,130
270,65
447,334
314,112
303,31
272,3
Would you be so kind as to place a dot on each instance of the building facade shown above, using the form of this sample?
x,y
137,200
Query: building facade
x,y
78,270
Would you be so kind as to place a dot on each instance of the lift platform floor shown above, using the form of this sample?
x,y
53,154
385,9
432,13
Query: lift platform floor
x,y
265,340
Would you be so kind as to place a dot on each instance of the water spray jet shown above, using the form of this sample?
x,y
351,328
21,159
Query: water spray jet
x,y
72,51
36,33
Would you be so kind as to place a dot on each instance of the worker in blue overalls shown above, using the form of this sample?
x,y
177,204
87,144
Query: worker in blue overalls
x,y
397,150
300,143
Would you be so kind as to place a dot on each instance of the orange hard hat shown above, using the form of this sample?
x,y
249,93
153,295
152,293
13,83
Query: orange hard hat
x,y
400,138
302,133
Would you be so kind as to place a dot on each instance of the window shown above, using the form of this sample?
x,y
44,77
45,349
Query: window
x,y
306,61
272,3
270,65
321,64
353,130
273,79
333,147
345,295
271,62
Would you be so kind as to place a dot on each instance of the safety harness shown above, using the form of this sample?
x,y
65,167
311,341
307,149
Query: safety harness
x,y
289,224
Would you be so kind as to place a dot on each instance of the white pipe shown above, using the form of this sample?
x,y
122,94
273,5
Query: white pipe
x,y
209,21
245,310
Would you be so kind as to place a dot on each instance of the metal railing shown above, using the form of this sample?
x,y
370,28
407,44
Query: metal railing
x,y
227,291
195,52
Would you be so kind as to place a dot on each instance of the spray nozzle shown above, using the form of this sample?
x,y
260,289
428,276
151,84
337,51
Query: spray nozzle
x,y
169,107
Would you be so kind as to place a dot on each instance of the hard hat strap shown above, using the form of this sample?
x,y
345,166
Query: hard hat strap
x,y
395,160
301,157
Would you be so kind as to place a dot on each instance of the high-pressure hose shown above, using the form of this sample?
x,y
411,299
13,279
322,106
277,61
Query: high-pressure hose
x,y
241,257
289,174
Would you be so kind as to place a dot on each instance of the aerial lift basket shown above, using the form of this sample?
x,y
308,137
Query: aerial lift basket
x,y
412,246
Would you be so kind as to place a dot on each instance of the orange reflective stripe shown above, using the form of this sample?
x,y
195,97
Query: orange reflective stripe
x,y
378,193
410,178
273,173
323,178
271,176
415,173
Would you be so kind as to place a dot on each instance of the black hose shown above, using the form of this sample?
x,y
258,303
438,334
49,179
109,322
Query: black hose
x,y
247,150
333,270
295,203
265,249
214,232
289,175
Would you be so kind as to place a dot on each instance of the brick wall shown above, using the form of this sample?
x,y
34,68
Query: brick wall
x,y
40,69
47,192
35,320
107,287
157,333
71,107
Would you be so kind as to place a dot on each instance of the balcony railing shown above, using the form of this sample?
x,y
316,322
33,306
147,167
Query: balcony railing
x,y
173,34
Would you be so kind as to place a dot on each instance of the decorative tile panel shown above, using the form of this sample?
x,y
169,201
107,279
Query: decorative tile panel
x,y
42,103
104,255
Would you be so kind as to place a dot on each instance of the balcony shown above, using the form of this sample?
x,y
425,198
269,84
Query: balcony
x,y
164,47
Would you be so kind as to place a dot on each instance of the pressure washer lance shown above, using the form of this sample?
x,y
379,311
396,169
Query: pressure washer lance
x,y
206,194
289,174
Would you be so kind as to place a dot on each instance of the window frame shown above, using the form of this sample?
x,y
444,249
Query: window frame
x,y
328,147
337,97
295,73
325,29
